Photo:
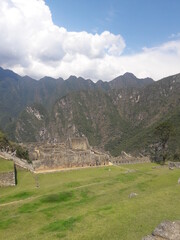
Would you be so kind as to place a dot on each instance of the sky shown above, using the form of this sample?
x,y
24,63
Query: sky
x,y
99,39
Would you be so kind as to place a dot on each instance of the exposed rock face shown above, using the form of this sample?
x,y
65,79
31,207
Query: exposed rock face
x,y
119,115
166,231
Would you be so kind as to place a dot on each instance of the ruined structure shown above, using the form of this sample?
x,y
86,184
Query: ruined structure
x,y
7,179
125,158
7,173
74,153
174,164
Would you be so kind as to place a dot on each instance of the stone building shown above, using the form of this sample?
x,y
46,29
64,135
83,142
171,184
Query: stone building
x,y
74,153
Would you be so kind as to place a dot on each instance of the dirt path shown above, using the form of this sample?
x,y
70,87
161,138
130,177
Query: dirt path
x,y
18,201
67,169
79,187
36,197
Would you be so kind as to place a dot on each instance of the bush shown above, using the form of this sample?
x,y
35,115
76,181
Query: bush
x,y
3,141
22,153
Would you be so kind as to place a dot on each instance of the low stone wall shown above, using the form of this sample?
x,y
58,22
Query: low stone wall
x,y
129,160
174,164
19,162
7,179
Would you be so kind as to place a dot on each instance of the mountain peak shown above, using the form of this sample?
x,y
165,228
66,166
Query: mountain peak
x,y
6,73
129,74
129,80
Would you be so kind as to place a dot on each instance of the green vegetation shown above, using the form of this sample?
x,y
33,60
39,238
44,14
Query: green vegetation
x,y
163,132
143,139
3,140
22,153
5,145
6,165
90,204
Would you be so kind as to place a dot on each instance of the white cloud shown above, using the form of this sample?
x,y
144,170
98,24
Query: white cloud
x,y
32,44
175,35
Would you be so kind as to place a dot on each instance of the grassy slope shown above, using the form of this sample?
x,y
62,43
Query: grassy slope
x,y
90,203
6,166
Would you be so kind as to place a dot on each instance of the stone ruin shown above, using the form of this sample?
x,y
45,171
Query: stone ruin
x,y
74,153
174,164
125,158
8,178
78,143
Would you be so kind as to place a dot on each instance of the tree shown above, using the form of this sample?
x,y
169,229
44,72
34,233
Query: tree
x,y
163,132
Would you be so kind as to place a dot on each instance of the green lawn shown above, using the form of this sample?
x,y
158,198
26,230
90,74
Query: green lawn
x,y
90,203
6,166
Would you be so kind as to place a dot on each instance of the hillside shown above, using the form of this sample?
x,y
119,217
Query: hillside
x,y
145,109
117,115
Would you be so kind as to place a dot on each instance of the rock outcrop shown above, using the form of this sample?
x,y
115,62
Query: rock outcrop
x,y
166,231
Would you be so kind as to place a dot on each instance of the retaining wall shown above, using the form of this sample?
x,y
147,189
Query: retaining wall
x,y
7,179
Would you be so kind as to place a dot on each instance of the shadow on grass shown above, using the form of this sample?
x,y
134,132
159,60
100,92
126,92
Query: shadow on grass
x,y
49,199
57,198
17,196
6,223
61,225
29,207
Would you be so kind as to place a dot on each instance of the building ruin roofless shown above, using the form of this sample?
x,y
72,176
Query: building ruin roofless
x,y
74,153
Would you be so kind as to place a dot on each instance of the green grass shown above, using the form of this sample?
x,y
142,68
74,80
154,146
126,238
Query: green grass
x,y
6,166
90,203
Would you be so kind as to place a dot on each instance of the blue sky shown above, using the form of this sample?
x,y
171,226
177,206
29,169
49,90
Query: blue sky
x,y
97,39
140,22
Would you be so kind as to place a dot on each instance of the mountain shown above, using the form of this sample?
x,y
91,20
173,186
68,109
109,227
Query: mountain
x,y
117,115
17,92
129,80
146,108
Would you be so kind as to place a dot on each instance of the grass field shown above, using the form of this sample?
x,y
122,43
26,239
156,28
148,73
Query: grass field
x,y
90,203
6,166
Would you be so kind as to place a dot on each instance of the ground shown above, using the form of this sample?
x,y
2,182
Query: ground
x,y
6,166
90,204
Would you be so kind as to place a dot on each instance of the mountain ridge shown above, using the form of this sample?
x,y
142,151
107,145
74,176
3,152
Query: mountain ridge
x,y
113,115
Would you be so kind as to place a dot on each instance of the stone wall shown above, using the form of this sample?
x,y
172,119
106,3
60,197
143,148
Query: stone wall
x,y
19,162
125,158
7,179
59,156
174,164
78,143
74,153
69,159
